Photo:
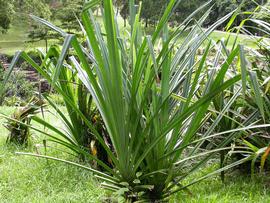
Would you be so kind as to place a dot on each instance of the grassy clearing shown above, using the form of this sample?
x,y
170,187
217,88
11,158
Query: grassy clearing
x,y
25,179
29,179
242,39
16,39
220,35
237,188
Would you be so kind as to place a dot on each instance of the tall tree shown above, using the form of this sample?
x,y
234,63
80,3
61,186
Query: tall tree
x,y
124,11
6,13
37,32
146,11
151,10
187,7
68,14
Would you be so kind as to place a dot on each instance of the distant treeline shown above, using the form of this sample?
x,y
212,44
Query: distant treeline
x,y
152,9
64,12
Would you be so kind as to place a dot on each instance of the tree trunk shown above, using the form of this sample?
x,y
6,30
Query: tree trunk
x,y
46,45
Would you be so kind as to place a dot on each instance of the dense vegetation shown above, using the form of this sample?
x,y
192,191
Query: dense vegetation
x,y
148,115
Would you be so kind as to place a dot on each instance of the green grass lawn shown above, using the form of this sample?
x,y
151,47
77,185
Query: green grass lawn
x,y
16,39
242,39
30,179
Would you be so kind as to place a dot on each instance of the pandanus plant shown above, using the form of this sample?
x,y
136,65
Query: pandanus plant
x,y
256,87
76,136
17,124
153,94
